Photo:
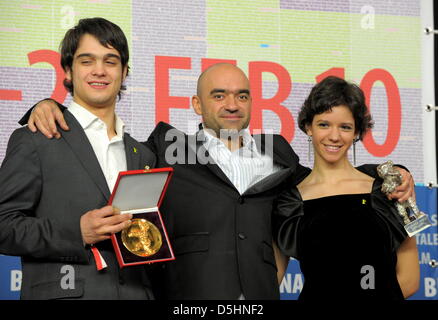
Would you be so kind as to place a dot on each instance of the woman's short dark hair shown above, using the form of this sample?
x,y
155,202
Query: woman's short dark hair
x,y
332,92
106,32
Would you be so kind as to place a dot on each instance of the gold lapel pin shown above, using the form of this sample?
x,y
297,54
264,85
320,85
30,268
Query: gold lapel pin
x,y
135,150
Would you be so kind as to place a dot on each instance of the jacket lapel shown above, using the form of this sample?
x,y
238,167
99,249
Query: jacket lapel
x,y
132,153
79,143
198,149
265,145
269,182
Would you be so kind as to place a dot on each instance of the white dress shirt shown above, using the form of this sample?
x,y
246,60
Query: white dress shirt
x,y
245,166
110,153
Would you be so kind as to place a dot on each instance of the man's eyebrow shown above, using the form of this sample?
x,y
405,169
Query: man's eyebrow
x,y
84,55
112,55
217,90
90,55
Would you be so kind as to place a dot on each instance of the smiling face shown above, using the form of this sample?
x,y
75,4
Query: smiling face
x,y
96,74
332,134
223,99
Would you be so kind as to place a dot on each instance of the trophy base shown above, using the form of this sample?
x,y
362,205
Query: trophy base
x,y
419,224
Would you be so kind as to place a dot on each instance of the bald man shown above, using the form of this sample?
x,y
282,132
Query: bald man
x,y
219,213
219,202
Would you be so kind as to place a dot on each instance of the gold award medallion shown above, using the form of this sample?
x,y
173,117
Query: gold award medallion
x,y
142,238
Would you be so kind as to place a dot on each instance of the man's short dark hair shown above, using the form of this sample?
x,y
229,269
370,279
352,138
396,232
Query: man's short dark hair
x,y
332,92
106,32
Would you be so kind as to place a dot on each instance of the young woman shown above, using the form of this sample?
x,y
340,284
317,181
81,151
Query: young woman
x,y
347,236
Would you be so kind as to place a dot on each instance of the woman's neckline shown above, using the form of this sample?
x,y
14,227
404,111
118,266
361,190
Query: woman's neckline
x,y
339,195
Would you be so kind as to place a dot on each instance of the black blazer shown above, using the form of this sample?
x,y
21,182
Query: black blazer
x,y
45,187
222,240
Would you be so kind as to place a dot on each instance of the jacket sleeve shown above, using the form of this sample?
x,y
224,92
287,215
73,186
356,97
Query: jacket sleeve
x,y
153,141
387,211
22,232
371,169
287,214
23,121
300,173
162,137
157,136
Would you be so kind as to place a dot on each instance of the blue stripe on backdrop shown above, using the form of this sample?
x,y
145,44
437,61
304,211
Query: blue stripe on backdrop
x,y
427,242
10,278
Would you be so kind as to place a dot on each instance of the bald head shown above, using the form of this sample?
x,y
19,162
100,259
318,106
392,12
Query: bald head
x,y
213,70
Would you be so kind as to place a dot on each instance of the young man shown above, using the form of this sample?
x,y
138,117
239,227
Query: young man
x,y
218,205
53,192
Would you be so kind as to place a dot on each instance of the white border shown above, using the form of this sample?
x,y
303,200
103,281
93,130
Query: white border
x,y
428,93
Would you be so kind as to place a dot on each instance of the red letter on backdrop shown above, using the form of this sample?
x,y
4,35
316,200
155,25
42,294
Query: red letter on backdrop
x,y
163,101
337,72
208,62
10,94
394,112
256,70
59,92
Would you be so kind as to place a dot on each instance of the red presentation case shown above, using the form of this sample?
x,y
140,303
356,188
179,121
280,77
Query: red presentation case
x,y
141,192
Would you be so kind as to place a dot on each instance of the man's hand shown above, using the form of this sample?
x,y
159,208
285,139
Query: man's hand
x,y
43,118
98,225
406,190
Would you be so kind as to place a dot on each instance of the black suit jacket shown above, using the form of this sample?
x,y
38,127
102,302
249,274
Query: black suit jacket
x,y
222,240
45,187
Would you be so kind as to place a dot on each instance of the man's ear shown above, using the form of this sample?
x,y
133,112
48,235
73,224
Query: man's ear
x,y
125,73
196,103
68,74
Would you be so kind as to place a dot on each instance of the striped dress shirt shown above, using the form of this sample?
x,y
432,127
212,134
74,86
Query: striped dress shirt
x,y
245,166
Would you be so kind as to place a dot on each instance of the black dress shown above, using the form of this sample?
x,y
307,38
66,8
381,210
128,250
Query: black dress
x,y
346,244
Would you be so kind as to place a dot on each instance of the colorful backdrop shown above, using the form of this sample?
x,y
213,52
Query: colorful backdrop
x,y
285,47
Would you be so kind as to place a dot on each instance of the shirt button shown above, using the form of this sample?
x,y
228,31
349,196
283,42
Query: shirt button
x,y
242,236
